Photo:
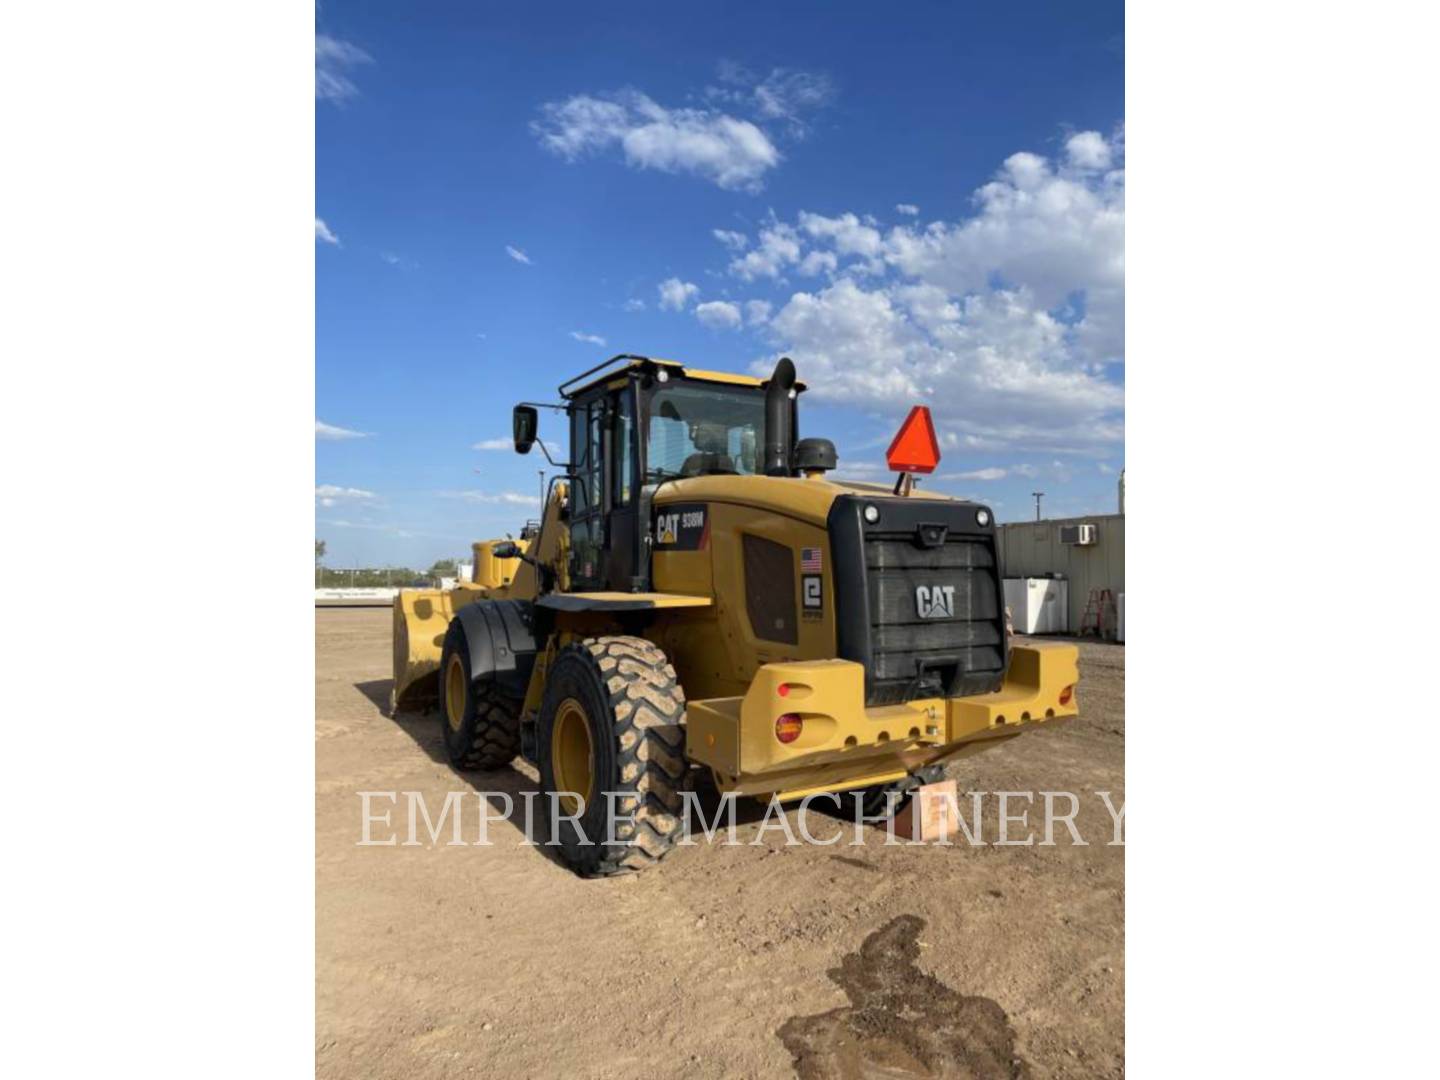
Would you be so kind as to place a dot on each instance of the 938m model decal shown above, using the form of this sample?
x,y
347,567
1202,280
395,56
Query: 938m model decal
x,y
681,527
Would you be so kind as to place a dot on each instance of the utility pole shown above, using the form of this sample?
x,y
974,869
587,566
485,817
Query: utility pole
x,y
1038,496
542,492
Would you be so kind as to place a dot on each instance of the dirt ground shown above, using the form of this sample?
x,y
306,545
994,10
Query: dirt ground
x,y
748,961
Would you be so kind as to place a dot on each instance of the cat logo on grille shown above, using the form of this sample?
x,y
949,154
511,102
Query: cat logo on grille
x,y
935,601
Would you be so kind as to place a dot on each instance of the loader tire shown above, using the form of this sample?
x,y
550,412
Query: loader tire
x,y
874,801
613,720
479,726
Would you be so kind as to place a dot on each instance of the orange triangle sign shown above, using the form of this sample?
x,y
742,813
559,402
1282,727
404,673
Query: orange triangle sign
x,y
915,448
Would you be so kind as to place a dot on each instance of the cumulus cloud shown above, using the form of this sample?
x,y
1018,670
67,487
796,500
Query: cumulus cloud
x,y
1004,320
908,209
728,151
777,247
588,339
322,232
334,495
719,315
330,432
333,60
516,254
757,312
634,304
494,444
675,294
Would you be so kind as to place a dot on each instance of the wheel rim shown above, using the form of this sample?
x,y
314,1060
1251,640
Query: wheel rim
x,y
572,755
455,693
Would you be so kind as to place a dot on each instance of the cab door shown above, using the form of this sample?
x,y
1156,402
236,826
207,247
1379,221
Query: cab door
x,y
605,535
587,493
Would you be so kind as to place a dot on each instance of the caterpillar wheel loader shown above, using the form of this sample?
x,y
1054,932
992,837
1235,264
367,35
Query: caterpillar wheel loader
x,y
702,604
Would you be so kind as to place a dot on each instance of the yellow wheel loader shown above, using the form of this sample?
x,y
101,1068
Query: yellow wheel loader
x,y
701,603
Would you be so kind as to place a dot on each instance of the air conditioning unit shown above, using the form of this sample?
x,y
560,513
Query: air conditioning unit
x,y
1082,535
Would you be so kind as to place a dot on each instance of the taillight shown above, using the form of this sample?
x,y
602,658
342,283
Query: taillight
x,y
787,727
783,689
1066,695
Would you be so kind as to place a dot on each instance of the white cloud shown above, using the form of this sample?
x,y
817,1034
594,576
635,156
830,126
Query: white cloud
x,y
816,263
494,444
726,150
333,59
503,498
735,241
785,95
634,304
1088,150
848,234
757,312
333,495
718,315
992,473
777,247
908,209
322,232
1057,233
1005,320
675,294
400,262
588,339
331,432
518,255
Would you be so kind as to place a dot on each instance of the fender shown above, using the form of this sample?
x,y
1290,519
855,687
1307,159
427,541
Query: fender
x,y
502,645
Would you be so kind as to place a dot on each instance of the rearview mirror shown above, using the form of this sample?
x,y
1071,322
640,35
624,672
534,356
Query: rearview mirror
x,y
506,549
527,424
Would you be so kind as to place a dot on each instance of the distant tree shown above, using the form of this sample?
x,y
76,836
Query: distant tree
x,y
319,550
444,568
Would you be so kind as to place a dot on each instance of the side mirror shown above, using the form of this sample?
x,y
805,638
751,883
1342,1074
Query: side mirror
x,y
527,425
506,549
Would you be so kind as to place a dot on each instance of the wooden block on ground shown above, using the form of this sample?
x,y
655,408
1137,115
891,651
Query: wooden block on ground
x,y
930,813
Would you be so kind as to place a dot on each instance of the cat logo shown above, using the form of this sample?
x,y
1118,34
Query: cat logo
x,y
935,601
665,527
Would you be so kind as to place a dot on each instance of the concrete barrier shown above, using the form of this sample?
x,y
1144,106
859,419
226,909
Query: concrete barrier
x,y
355,597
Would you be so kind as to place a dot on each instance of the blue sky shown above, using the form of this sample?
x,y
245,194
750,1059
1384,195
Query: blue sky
x,y
919,203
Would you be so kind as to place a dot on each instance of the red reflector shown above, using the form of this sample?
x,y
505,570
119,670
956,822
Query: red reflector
x,y
784,690
787,728
915,448
1066,695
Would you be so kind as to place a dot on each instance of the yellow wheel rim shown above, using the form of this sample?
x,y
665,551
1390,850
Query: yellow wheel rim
x,y
455,693
572,755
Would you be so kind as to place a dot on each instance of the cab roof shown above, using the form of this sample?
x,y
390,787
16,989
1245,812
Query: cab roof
x,y
603,373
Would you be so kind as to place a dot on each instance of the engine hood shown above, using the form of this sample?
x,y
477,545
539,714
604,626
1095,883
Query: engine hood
x,y
797,497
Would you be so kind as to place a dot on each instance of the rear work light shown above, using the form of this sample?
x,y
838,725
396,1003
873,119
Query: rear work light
x,y
1066,695
787,727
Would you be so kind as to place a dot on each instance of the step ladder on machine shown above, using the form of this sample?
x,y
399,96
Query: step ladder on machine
x,y
1099,602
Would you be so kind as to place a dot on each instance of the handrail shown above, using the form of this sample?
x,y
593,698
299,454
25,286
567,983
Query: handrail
x,y
598,367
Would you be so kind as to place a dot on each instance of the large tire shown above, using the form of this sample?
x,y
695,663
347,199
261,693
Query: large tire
x,y
613,720
875,801
479,725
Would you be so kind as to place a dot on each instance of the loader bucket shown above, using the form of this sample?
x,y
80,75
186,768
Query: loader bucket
x,y
421,618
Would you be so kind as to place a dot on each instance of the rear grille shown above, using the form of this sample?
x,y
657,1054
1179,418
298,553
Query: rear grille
x,y
958,654
885,575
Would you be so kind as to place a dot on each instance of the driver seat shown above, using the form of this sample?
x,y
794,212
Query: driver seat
x,y
707,464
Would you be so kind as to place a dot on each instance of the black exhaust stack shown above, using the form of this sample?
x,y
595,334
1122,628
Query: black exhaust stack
x,y
778,436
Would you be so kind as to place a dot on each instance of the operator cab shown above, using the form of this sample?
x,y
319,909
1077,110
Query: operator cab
x,y
636,423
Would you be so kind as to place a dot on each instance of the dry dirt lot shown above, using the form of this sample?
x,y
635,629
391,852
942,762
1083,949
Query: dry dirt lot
x,y
748,961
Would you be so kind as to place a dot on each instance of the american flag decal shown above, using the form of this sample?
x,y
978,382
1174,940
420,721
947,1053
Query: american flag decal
x,y
810,560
